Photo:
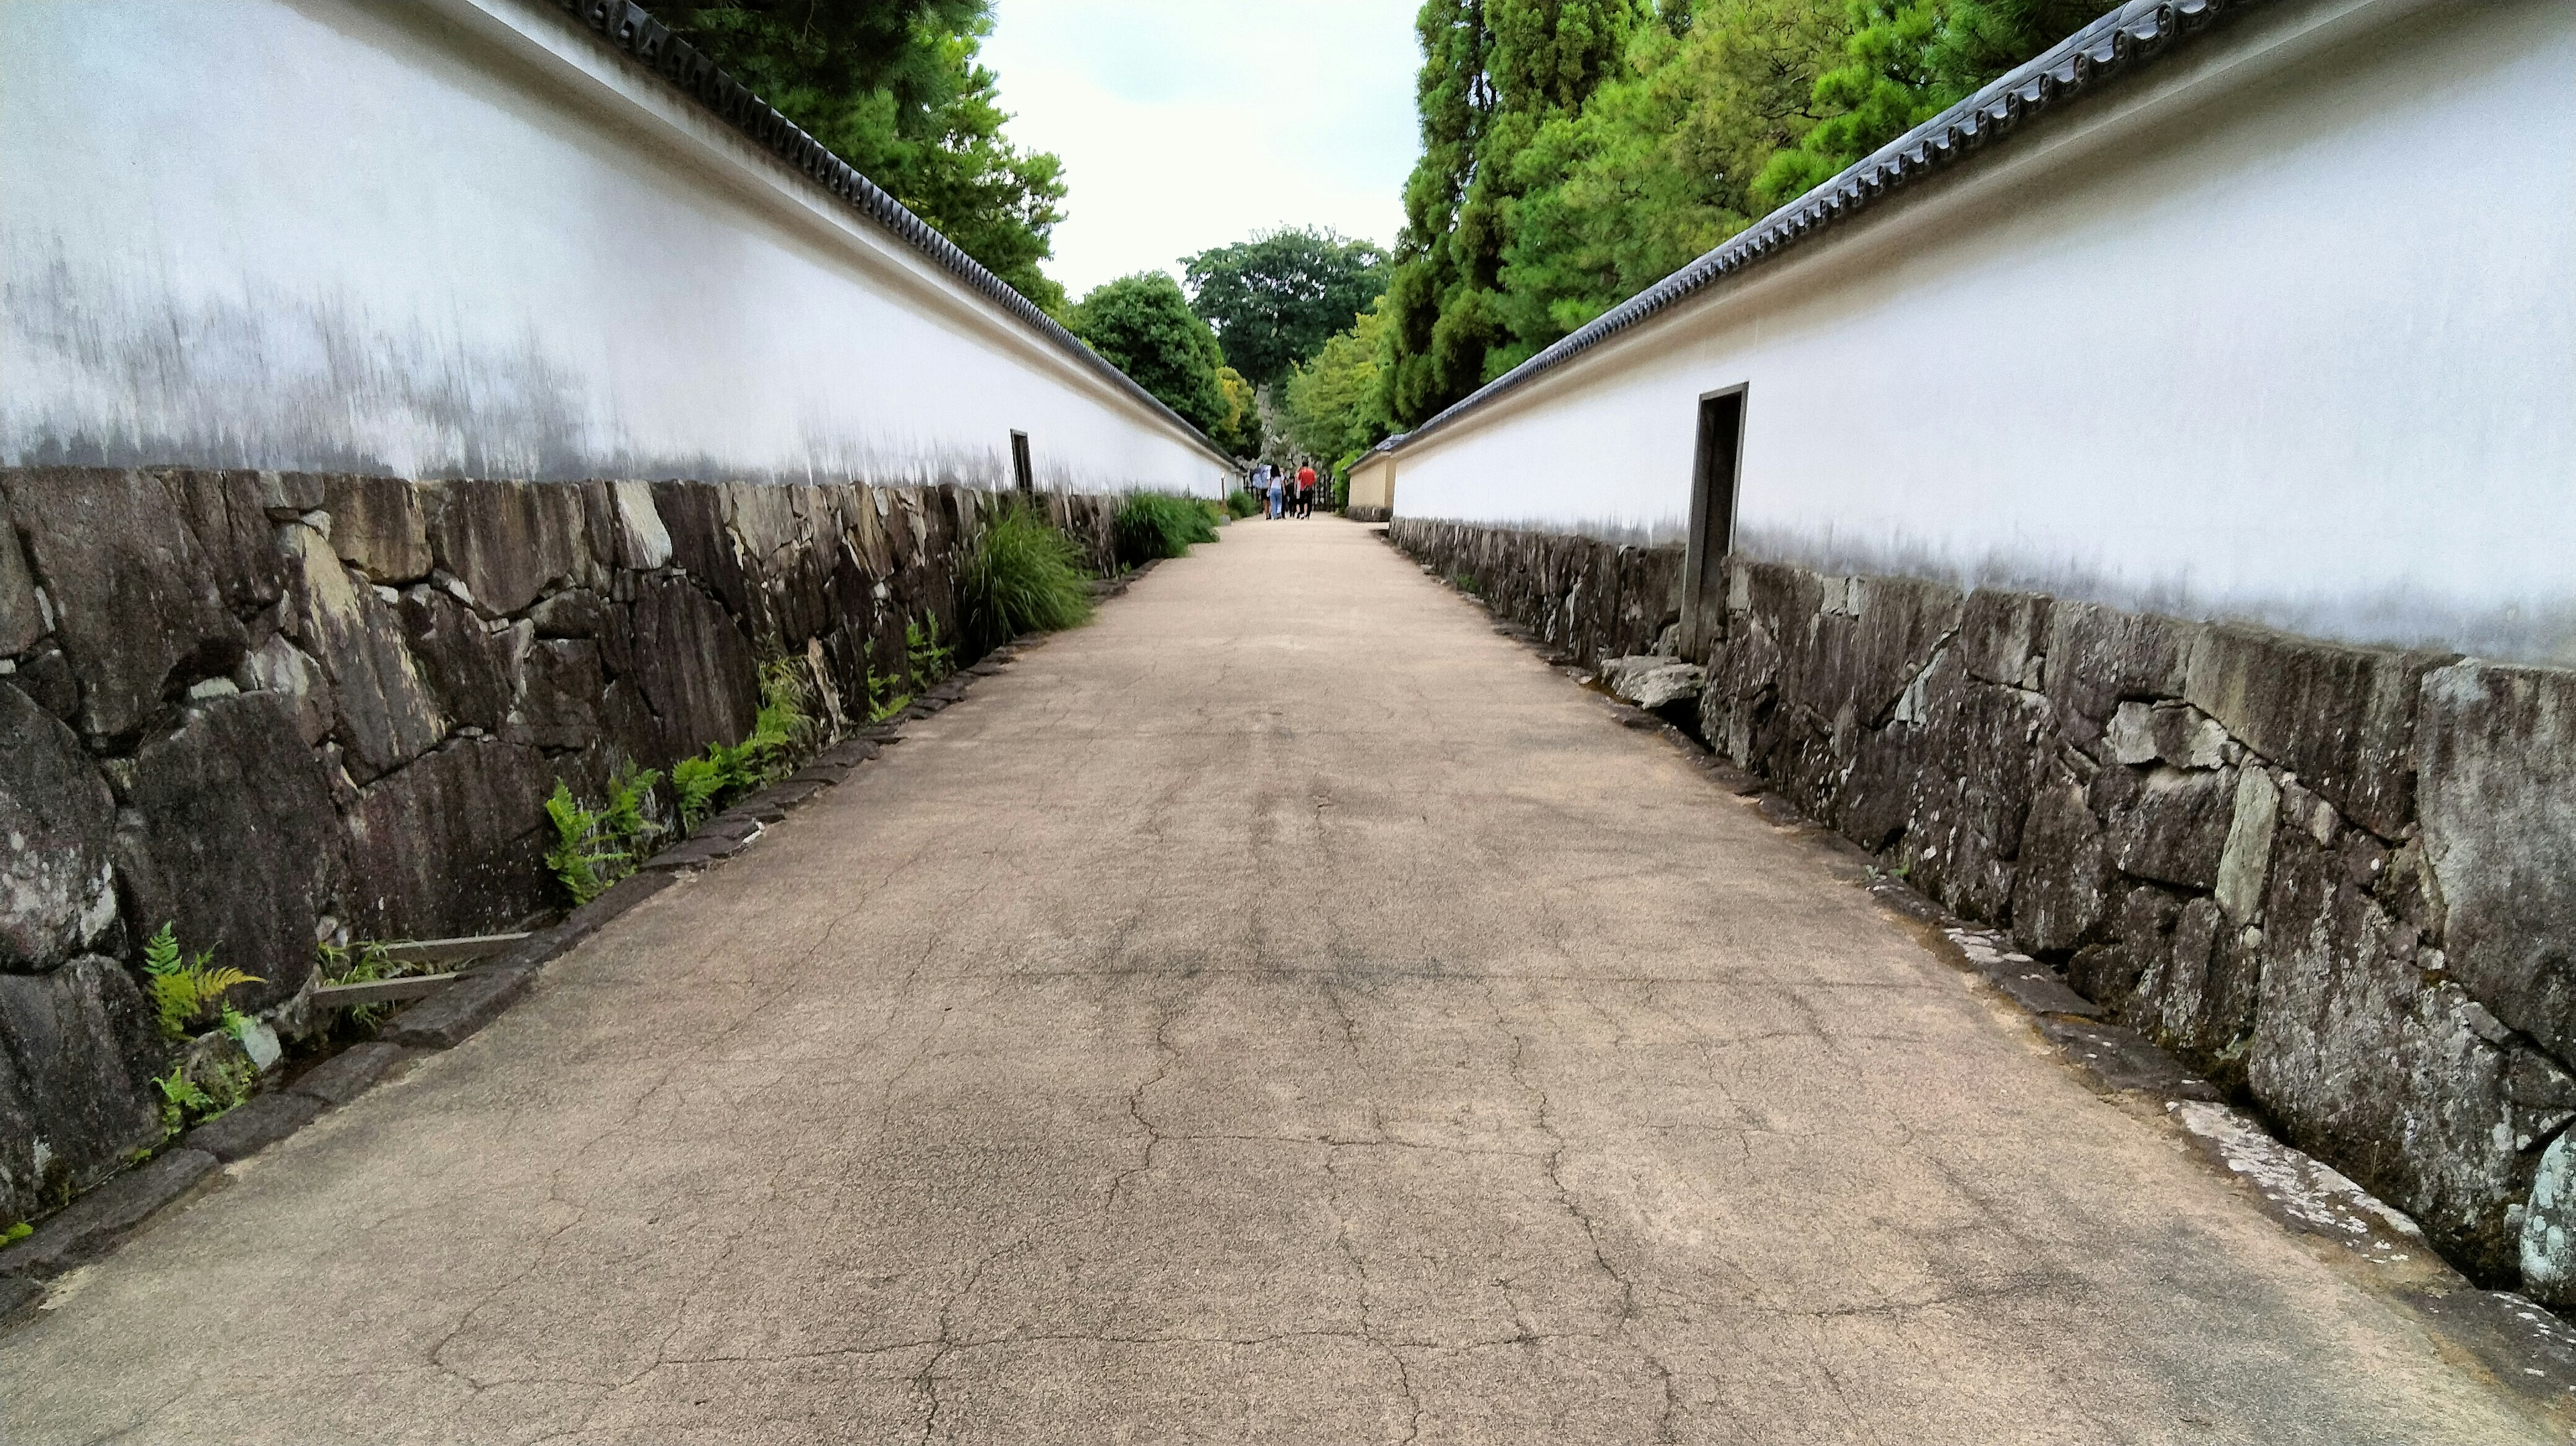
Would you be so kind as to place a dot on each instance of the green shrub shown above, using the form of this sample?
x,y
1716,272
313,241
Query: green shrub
x,y
184,990
1158,524
1024,577
1242,504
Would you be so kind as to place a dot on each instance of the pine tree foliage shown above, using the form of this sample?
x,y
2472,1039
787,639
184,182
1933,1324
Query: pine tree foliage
x,y
894,88
1906,63
1576,153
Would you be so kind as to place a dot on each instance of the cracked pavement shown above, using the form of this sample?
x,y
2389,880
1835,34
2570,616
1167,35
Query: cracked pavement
x,y
1282,1011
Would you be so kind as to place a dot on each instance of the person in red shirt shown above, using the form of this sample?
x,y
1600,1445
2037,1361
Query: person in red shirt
x,y
1306,491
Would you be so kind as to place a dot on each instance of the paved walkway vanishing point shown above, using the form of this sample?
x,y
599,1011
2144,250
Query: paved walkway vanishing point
x,y
1283,1011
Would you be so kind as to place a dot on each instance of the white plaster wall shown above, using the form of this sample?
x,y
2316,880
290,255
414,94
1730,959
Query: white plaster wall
x,y
2297,345
467,238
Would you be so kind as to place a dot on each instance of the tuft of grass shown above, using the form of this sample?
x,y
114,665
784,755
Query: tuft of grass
x,y
1024,577
1240,504
1158,524
185,991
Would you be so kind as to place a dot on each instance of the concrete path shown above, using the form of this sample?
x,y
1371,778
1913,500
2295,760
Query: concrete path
x,y
1283,1011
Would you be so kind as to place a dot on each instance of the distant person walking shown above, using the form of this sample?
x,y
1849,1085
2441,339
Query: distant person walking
x,y
1305,491
1278,484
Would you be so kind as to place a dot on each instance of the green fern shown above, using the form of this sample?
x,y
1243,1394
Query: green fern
x,y
925,656
184,989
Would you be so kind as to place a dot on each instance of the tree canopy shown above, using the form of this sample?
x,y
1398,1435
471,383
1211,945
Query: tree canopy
x,y
1273,299
1332,408
893,88
1577,151
1144,326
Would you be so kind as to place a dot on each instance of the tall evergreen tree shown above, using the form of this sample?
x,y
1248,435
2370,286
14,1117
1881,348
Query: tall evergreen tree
x,y
893,87
1659,164
1906,62
1493,73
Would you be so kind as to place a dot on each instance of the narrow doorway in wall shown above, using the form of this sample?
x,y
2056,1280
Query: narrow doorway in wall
x,y
1712,517
1021,476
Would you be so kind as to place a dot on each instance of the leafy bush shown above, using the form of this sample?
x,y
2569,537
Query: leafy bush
x,y
1024,577
1240,504
1158,524
184,990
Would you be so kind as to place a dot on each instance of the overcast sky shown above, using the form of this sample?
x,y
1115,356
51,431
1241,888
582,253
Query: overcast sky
x,y
1186,124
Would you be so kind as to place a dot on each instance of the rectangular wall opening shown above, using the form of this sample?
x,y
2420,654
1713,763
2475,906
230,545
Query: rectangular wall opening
x,y
1021,475
1712,519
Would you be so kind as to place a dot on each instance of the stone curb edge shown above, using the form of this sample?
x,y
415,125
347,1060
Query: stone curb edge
x,y
2528,1349
101,1217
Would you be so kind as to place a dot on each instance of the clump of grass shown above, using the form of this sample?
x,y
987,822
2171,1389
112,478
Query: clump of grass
x,y
1240,504
1024,577
186,991
1158,524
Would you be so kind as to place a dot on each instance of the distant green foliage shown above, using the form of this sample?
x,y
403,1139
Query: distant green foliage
x,y
1144,326
595,848
1158,524
1335,409
184,990
1240,503
1240,433
1273,299
1023,577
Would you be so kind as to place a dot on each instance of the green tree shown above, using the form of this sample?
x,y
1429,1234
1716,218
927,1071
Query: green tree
x,y
893,88
1273,299
1659,164
1906,62
1493,73
1144,326
1240,432
1333,407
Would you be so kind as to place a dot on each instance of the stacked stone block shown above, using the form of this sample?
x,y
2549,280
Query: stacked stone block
x,y
276,709
2340,881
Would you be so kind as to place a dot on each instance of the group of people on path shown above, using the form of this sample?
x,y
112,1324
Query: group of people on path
x,y
1290,494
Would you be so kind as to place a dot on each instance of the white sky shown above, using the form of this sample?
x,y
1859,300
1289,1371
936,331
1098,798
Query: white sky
x,y
1186,124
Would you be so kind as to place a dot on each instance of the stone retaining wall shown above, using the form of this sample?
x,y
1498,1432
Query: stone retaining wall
x,y
2339,881
276,708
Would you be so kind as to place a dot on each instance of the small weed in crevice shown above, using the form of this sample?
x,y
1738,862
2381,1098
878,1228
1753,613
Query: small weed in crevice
x,y
925,657
184,990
